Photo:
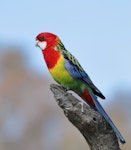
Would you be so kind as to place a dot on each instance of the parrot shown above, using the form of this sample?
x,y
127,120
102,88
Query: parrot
x,y
67,71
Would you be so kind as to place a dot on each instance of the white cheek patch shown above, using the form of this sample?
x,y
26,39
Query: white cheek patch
x,y
42,45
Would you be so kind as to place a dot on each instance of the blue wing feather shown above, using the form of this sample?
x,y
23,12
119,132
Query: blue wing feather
x,y
105,115
75,69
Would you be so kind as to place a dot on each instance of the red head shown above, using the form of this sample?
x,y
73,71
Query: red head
x,y
46,39
48,43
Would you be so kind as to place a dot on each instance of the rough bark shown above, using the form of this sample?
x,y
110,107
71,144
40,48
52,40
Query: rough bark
x,y
89,122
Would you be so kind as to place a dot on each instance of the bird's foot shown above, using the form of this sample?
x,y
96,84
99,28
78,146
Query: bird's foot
x,y
64,88
81,106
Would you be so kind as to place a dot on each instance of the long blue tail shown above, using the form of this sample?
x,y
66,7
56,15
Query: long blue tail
x,y
104,114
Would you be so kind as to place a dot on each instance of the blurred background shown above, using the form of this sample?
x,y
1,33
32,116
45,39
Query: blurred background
x,y
97,33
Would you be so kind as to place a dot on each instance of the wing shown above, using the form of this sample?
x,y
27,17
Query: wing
x,y
75,69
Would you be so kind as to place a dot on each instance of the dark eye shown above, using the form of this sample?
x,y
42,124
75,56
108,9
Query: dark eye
x,y
42,38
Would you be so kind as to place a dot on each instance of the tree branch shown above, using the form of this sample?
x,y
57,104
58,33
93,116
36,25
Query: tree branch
x,y
97,132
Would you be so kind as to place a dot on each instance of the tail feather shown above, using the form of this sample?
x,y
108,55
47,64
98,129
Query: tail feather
x,y
105,115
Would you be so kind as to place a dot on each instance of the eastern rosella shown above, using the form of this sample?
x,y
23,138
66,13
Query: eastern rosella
x,y
66,70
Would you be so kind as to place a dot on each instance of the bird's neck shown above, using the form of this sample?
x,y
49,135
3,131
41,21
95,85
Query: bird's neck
x,y
51,57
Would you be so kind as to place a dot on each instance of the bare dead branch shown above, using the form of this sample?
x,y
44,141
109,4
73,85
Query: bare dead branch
x,y
97,132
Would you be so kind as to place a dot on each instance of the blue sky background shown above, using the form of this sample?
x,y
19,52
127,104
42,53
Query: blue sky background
x,y
97,33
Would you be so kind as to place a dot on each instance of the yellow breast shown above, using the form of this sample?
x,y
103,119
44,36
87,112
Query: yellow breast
x,y
59,72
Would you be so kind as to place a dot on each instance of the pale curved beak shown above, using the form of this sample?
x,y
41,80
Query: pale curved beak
x,y
41,45
36,43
